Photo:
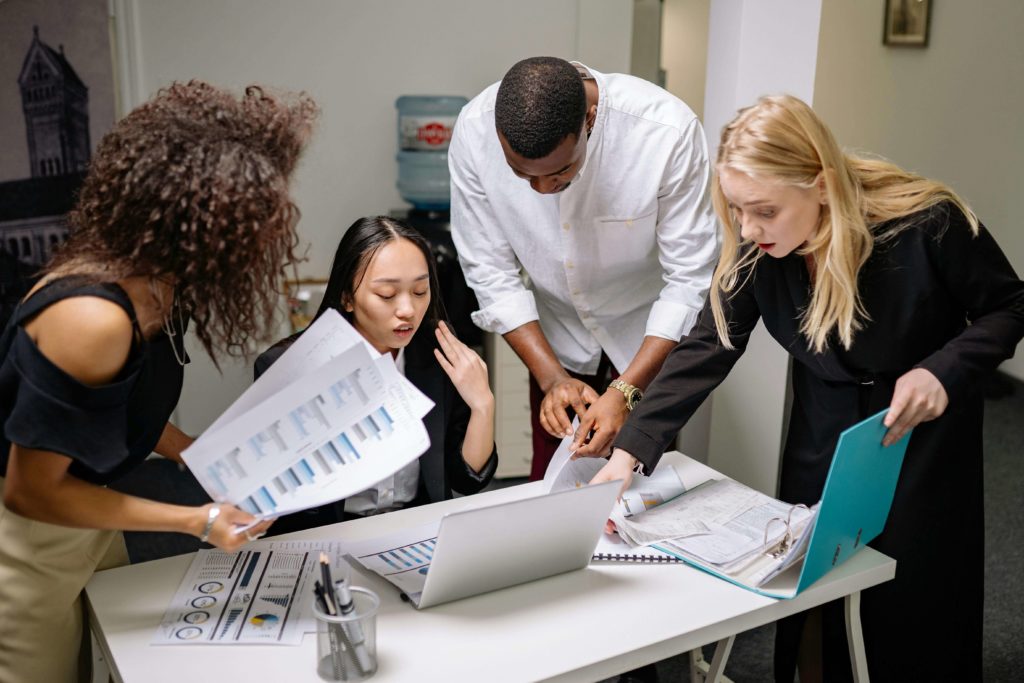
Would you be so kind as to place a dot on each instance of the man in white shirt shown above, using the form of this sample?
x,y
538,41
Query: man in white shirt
x,y
603,256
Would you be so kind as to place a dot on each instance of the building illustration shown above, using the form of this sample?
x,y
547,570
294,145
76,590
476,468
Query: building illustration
x,y
55,103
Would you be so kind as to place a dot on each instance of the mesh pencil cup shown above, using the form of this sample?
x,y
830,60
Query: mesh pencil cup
x,y
346,644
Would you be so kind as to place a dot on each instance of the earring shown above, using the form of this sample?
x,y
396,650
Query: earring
x,y
171,332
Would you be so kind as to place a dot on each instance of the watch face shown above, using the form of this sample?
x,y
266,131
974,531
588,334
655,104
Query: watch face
x,y
634,398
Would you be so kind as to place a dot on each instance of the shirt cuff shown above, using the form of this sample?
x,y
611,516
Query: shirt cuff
x,y
640,446
507,314
670,320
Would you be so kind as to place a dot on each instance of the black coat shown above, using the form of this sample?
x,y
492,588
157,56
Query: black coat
x,y
442,469
937,298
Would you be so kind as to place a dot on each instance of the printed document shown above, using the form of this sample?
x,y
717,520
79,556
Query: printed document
x,y
262,594
643,494
339,428
402,558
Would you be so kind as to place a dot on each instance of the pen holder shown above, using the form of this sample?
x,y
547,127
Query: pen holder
x,y
346,645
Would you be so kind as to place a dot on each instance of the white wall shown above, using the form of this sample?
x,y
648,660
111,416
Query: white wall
x,y
355,58
755,47
684,48
951,110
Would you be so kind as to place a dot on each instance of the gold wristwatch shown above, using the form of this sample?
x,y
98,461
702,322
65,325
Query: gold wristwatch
x,y
632,394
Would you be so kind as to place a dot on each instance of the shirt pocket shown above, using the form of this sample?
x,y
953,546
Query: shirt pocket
x,y
623,242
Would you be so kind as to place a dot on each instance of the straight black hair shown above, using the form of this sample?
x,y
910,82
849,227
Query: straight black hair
x,y
358,245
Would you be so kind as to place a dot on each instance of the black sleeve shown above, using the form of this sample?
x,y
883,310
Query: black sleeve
x,y
981,279
461,476
270,356
697,365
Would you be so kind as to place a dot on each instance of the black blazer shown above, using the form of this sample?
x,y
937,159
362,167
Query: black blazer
x,y
442,469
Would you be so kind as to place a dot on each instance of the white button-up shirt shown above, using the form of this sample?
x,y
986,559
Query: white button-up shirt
x,y
625,252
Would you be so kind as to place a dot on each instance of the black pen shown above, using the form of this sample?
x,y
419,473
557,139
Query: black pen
x,y
325,573
335,633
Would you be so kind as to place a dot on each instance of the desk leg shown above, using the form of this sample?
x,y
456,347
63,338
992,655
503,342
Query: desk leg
x,y
100,670
701,671
855,638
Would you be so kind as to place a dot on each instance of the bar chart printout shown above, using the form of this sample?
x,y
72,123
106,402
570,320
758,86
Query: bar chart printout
x,y
323,439
403,558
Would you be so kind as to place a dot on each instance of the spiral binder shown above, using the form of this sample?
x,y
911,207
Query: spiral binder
x,y
635,558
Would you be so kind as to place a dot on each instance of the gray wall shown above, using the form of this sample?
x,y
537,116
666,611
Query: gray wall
x,y
951,111
355,58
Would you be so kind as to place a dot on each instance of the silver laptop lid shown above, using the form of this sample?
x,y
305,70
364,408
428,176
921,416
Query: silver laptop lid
x,y
484,549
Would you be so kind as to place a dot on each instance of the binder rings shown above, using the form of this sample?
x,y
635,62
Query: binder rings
x,y
853,509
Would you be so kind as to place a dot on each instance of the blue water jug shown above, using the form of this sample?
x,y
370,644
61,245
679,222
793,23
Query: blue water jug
x,y
425,126
423,179
425,122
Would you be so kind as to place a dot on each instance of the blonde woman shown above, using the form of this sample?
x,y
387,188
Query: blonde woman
x,y
888,293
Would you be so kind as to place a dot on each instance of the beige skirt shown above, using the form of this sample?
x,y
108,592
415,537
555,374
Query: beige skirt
x,y
43,569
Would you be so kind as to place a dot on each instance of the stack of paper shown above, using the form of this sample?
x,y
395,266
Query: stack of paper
x,y
728,526
329,419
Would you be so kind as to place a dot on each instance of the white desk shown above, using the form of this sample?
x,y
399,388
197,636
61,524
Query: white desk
x,y
580,626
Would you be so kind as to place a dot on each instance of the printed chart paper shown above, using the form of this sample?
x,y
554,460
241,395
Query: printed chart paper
x,y
262,594
402,558
331,434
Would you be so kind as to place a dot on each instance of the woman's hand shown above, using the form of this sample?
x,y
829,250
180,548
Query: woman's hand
x,y
918,397
619,468
466,369
224,534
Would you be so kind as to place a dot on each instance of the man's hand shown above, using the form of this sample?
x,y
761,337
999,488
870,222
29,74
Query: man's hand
x,y
600,424
563,393
918,397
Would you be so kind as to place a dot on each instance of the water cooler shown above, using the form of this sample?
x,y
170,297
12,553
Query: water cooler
x,y
424,129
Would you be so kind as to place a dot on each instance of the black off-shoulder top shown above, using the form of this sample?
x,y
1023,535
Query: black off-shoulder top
x,y
106,430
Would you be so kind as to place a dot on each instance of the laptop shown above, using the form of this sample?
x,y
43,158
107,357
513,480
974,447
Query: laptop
x,y
484,549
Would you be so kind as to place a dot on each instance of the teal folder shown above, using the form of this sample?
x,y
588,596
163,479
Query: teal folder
x,y
854,507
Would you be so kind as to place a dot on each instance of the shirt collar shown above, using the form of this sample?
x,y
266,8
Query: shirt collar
x,y
595,133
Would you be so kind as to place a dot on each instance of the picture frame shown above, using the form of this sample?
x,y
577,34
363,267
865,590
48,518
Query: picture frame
x,y
906,23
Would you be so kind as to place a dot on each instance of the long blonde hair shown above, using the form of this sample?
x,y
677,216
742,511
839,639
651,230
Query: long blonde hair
x,y
781,139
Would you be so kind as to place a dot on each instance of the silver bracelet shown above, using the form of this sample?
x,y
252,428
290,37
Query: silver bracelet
x,y
214,513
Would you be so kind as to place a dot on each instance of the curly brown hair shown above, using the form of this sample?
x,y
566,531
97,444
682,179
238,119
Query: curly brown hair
x,y
193,185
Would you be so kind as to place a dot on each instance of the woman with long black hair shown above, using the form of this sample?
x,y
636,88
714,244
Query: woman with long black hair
x,y
384,282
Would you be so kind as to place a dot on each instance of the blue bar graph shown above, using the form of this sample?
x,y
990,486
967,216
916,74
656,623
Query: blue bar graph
x,y
305,471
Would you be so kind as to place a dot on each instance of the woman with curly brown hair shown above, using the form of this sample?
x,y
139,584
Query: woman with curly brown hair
x,y
184,215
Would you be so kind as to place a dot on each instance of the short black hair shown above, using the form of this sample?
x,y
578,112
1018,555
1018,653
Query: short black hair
x,y
541,101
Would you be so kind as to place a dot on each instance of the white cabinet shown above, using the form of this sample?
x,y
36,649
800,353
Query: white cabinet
x,y
510,382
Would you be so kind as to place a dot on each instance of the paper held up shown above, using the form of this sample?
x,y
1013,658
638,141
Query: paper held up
x,y
327,420
644,492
